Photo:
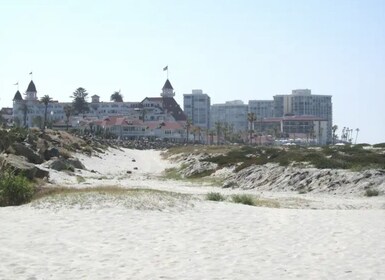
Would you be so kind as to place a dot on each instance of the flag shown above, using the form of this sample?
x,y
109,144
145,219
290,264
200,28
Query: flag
x,y
16,84
30,73
165,68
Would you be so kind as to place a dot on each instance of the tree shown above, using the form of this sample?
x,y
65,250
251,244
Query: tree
x,y
211,134
79,103
24,108
68,112
334,130
116,97
45,100
251,119
199,130
218,128
2,120
225,130
38,121
187,126
357,130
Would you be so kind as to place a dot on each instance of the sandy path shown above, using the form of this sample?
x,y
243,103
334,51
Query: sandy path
x,y
210,241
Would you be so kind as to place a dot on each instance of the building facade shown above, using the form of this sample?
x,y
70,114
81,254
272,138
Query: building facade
x,y
153,117
196,106
232,114
262,108
302,103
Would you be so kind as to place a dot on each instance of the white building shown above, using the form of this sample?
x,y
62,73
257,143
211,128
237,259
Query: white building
x,y
196,106
29,112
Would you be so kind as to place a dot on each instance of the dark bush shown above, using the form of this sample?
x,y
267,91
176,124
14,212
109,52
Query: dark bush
x,y
379,145
214,196
243,199
14,189
372,192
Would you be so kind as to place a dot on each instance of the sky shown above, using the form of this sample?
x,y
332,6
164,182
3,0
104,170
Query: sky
x,y
232,50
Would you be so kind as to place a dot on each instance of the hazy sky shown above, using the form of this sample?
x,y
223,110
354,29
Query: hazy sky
x,y
231,49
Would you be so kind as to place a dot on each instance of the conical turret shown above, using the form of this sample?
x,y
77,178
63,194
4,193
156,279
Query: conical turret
x,y
167,90
31,93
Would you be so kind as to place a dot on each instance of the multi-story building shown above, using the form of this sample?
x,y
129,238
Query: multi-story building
x,y
262,108
196,106
298,129
232,114
302,103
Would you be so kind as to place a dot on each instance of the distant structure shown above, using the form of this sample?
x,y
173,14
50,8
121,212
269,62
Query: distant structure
x,y
302,103
291,118
232,114
296,117
29,112
196,106
153,117
261,108
167,90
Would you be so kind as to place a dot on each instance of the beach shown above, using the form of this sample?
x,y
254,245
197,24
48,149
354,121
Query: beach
x,y
185,237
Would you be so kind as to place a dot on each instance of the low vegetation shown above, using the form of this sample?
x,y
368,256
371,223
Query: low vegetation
x,y
372,192
198,149
108,196
215,196
202,177
244,199
14,135
379,145
339,157
14,189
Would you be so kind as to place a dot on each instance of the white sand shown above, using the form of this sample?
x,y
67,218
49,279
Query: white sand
x,y
209,240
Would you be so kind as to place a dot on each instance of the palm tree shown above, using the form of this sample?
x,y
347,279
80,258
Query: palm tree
x,y
357,130
79,102
225,130
334,129
67,111
187,126
211,134
199,130
343,134
116,97
218,127
251,119
46,99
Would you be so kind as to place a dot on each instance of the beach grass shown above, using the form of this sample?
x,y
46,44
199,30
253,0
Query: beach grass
x,y
109,196
215,196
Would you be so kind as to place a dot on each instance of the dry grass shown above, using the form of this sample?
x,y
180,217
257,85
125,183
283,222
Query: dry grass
x,y
110,196
197,150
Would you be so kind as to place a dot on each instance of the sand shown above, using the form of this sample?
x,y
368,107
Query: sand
x,y
190,238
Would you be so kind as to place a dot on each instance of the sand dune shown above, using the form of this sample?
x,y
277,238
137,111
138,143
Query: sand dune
x,y
190,239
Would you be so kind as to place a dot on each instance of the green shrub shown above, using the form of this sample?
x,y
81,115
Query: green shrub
x,y
243,199
379,145
14,190
201,174
372,192
214,196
